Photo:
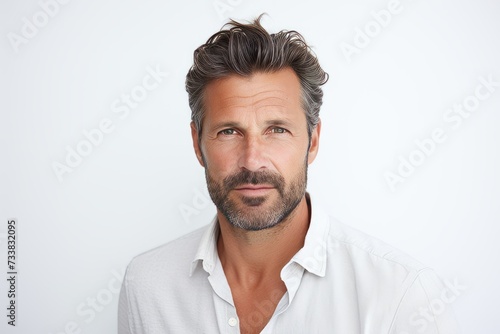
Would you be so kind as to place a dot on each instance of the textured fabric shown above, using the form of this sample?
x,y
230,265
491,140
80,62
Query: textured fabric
x,y
342,281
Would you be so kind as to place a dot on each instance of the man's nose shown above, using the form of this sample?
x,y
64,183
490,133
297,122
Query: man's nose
x,y
253,155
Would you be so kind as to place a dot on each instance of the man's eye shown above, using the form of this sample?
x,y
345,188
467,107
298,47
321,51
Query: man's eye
x,y
278,130
227,132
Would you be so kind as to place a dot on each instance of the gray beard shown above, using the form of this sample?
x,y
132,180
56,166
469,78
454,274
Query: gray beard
x,y
249,215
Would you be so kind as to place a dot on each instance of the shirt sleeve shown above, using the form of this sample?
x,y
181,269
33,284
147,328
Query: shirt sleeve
x,y
124,319
426,306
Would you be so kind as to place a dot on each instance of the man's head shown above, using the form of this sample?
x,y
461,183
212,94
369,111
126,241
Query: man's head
x,y
255,100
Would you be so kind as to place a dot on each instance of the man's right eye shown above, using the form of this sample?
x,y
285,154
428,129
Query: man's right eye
x,y
227,132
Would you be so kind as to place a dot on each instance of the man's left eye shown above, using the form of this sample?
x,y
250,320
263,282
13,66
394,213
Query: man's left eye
x,y
278,130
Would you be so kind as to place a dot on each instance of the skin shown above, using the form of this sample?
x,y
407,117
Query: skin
x,y
257,123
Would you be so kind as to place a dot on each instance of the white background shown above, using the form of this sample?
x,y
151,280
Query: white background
x,y
142,186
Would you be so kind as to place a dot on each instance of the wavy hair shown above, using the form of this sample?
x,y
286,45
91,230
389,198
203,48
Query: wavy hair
x,y
243,49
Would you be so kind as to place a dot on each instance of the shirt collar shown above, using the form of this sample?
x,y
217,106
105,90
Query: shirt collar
x,y
207,250
312,256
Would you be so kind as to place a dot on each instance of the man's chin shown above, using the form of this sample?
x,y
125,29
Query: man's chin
x,y
255,221
254,201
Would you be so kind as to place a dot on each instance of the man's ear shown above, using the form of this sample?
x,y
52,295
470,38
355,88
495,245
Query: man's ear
x,y
314,146
196,144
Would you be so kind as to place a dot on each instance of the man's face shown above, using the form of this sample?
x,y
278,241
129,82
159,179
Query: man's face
x,y
255,147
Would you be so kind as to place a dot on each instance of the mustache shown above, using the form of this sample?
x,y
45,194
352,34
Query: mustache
x,y
249,177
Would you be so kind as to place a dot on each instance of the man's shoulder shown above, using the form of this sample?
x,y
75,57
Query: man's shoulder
x,y
364,247
172,256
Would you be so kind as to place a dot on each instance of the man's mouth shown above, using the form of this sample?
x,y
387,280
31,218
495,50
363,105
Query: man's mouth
x,y
254,189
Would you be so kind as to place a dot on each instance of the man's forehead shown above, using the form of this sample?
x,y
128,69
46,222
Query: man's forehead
x,y
270,99
277,91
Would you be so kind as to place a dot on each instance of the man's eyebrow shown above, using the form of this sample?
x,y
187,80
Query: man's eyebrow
x,y
225,125
284,122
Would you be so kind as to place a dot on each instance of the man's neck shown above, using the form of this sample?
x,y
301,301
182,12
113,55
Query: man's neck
x,y
252,258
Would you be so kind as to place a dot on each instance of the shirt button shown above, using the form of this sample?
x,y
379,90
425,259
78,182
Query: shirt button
x,y
232,322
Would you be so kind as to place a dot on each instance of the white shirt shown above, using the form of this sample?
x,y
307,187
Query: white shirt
x,y
342,281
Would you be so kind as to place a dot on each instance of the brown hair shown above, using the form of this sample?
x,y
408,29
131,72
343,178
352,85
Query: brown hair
x,y
247,48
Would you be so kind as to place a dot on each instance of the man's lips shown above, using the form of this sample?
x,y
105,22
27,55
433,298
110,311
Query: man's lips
x,y
254,189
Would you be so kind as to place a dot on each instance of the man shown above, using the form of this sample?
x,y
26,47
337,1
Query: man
x,y
271,261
